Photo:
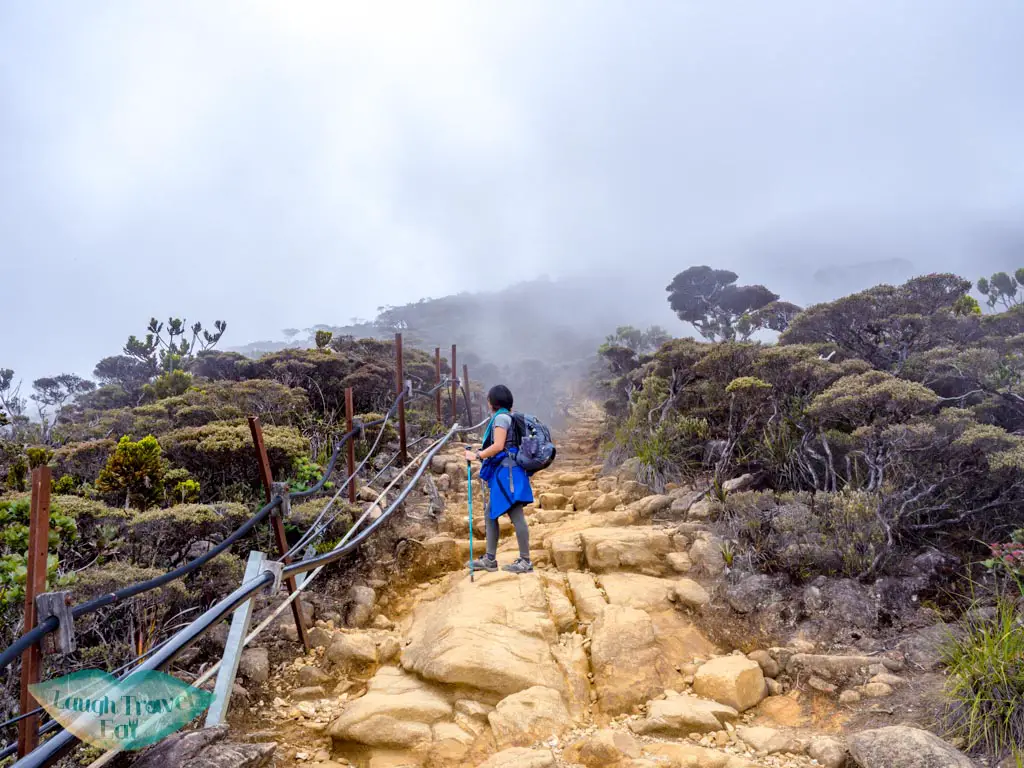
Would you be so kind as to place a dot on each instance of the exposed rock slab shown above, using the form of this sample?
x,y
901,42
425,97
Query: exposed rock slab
x,y
398,710
494,634
520,757
529,716
683,715
905,747
626,549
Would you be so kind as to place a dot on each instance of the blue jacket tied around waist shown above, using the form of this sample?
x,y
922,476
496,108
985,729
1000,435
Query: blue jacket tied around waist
x,y
507,482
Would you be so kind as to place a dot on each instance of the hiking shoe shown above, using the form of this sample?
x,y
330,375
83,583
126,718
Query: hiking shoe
x,y
484,563
521,565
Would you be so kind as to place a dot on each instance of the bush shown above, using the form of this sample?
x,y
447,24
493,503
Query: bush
x,y
805,536
14,533
83,461
135,469
220,454
164,536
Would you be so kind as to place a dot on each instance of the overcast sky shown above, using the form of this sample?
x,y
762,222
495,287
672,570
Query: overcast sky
x,y
290,163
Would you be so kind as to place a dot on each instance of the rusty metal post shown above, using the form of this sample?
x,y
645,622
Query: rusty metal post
x,y
455,387
276,521
399,388
350,412
437,394
35,584
465,393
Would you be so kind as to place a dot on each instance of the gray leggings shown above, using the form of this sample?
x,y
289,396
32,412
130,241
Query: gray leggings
x,y
518,519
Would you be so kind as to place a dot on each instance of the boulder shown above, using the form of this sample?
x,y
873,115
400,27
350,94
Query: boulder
x,y
631,491
604,748
615,549
923,649
681,502
352,650
699,757
494,634
690,594
310,675
589,601
647,593
606,502
450,745
906,747
700,509
679,562
206,748
359,606
397,711
755,593
629,666
768,664
828,751
651,505
553,501
534,715
733,680
254,665
584,499
706,554
566,551
309,693
520,757
319,637
607,484
628,471
768,740
683,715
737,484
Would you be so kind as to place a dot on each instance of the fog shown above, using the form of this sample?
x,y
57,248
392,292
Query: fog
x,y
285,164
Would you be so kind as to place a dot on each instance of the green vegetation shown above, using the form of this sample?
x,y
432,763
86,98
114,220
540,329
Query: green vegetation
x,y
903,409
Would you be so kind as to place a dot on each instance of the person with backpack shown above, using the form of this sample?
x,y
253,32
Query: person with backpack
x,y
508,483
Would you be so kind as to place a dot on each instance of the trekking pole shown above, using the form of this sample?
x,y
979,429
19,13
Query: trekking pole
x,y
469,494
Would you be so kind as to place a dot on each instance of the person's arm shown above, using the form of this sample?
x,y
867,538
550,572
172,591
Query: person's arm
x,y
500,435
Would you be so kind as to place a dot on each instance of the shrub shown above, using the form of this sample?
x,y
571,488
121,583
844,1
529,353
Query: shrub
x,y
834,534
135,469
165,536
220,454
14,534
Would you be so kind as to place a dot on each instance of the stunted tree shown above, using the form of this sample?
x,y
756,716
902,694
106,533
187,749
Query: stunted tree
x,y
128,373
54,392
172,354
1003,288
772,317
323,339
711,302
887,325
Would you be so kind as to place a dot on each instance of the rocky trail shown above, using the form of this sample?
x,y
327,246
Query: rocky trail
x,y
601,657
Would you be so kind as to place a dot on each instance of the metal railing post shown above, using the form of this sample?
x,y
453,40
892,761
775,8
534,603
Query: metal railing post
x,y
465,392
350,412
233,647
399,389
437,394
276,518
455,388
35,584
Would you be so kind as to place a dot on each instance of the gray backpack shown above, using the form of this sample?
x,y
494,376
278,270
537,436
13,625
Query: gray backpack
x,y
533,439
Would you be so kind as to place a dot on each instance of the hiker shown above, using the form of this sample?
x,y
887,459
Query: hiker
x,y
508,484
